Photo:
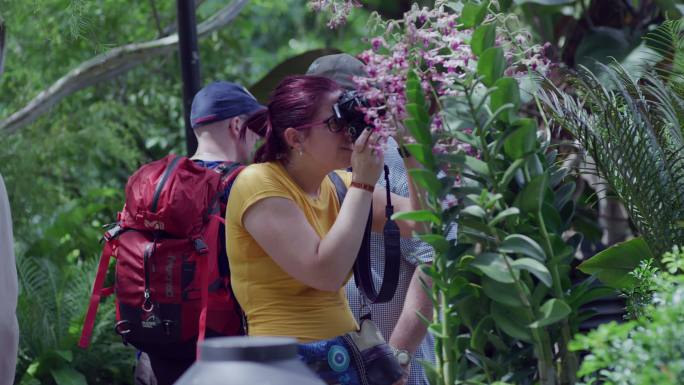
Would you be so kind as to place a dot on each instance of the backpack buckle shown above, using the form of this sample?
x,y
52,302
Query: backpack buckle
x,y
112,233
200,246
122,328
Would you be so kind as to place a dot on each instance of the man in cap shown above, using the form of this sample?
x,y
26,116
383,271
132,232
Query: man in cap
x,y
396,319
218,112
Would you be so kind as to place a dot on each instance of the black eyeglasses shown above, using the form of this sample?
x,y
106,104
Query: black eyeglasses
x,y
334,124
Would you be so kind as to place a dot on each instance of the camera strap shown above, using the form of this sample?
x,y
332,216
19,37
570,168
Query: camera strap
x,y
363,274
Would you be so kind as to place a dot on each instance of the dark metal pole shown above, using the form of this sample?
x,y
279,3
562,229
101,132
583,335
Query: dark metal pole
x,y
190,64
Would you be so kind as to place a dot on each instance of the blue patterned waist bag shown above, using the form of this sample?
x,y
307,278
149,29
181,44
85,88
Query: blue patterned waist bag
x,y
356,358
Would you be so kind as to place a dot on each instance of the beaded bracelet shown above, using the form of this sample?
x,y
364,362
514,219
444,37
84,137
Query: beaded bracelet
x,y
363,186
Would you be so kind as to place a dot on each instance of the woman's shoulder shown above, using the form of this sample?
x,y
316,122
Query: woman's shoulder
x,y
258,173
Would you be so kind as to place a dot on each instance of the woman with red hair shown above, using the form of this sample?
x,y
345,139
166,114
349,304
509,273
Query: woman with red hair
x,y
291,244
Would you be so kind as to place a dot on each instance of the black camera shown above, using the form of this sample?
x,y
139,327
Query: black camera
x,y
347,111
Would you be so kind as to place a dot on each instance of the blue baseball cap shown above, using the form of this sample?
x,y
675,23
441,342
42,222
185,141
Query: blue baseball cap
x,y
221,100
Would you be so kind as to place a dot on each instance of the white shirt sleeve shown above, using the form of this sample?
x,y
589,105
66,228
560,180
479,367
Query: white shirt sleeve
x,y
9,328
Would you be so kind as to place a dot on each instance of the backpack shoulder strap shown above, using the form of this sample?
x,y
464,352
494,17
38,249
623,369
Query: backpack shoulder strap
x,y
340,187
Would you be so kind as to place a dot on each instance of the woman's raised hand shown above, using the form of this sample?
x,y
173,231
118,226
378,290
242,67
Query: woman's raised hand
x,y
367,164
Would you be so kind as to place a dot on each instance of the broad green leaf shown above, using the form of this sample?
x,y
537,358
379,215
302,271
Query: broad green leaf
x,y
426,179
491,65
563,195
68,355
536,268
477,165
602,43
494,266
613,265
483,38
505,293
419,113
479,337
68,376
422,153
509,212
510,172
475,211
418,216
511,320
418,129
414,89
506,92
552,311
532,195
552,219
523,140
575,300
437,241
473,14
522,244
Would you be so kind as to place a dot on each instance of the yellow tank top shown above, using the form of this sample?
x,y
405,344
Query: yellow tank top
x,y
276,304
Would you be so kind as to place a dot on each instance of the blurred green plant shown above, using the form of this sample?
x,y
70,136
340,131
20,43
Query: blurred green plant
x,y
647,350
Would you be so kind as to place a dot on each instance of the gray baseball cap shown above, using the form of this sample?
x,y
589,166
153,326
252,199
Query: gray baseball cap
x,y
339,67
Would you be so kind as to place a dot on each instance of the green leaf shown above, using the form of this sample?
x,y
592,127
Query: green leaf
x,y
511,320
477,165
475,211
438,242
552,311
509,212
479,337
418,129
504,293
491,65
536,268
483,38
506,92
67,355
427,180
522,244
523,140
532,195
422,153
551,217
68,376
494,266
510,172
418,216
613,265
473,14
575,300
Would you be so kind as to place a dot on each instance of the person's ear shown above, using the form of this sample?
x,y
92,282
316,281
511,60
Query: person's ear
x,y
293,138
234,125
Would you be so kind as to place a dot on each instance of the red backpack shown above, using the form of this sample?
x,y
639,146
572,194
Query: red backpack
x,y
168,288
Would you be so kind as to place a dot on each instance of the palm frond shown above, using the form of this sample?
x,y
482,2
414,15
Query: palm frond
x,y
631,128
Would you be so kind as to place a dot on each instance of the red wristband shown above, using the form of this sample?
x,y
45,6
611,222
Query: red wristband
x,y
363,186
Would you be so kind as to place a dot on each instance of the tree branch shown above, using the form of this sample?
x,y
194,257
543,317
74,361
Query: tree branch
x,y
157,20
2,45
110,64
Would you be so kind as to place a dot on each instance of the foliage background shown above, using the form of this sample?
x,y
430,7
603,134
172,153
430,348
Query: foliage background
x,y
66,171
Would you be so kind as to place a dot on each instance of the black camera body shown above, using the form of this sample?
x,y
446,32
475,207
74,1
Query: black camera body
x,y
347,110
